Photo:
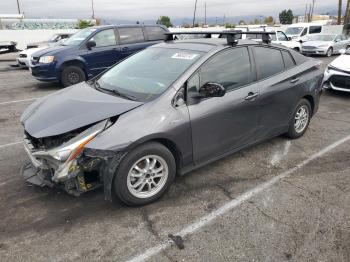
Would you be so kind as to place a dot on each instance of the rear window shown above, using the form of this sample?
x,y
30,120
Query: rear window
x,y
288,60
155,33
130,35
268,61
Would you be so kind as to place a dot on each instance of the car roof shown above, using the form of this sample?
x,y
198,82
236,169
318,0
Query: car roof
x,y
126,26
208,44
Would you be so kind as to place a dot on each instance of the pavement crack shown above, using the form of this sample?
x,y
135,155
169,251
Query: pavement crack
x,y
225,191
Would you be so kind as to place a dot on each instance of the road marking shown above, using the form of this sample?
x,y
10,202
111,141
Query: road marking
x,y
19,101
11,144
277,157
205,220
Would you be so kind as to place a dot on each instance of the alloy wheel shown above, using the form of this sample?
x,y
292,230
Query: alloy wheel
x,y
301,119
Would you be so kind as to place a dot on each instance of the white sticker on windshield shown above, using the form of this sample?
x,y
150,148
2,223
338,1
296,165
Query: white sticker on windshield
x,y
186,56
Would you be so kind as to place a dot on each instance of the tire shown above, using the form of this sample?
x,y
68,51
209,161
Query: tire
x,y
296,49
127,176
72,75
293,131
329,52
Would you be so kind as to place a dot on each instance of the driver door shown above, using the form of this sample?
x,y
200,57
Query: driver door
x,y
221,124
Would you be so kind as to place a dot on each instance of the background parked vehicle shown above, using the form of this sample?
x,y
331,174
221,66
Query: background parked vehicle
x,y
165,110
299,31
91,51
325,44
9,46
337,74
53,39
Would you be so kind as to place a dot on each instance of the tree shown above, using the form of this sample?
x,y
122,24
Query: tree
x,y
268,20
340,5
256,21
347,13
164,20
84,24
286,17
228,25
242,22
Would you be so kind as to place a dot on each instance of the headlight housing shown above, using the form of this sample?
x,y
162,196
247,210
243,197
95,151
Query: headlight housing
x,y
46,59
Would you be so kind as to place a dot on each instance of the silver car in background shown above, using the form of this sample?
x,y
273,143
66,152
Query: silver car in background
x,y
327,45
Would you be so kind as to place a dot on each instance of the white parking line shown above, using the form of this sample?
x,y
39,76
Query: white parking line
x,y
19,101
11,144
205,220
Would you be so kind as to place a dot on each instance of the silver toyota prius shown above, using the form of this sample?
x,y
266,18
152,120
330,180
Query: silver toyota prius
x,y
165,111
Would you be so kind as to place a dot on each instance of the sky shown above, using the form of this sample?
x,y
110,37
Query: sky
x,y
151,9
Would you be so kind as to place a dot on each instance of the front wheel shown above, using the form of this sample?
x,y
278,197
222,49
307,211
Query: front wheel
x,y
144,174
329,52
301,119
72,75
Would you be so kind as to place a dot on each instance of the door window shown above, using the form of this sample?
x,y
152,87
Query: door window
x,y
282,36
104,38
315,29
129,35
304,32
230,68
338,38
155,33
288,60
268,61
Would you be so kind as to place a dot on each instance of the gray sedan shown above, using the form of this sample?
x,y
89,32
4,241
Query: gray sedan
x,y
167,110
325,44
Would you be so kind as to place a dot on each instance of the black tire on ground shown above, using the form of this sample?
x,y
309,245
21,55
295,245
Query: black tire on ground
x,y
120,186
72,75
292,132
329,52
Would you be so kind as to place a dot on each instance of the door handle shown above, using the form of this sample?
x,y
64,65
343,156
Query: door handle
x,y
294,80
125,48
251,96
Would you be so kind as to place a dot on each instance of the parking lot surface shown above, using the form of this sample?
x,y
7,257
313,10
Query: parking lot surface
x,y
281,200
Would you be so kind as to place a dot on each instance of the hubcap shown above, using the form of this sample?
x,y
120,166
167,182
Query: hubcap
x,y
147,176
301,119
73,77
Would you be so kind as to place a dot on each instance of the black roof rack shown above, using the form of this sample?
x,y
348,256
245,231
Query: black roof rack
x,y
232,36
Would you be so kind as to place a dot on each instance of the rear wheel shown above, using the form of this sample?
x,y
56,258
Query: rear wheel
x,y
72,75
144,174
301,119
329,52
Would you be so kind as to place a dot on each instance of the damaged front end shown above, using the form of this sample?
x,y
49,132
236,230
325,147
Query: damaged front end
x,y
62,161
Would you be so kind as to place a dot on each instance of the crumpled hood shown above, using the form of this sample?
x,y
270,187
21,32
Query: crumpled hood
x,y
316,43
342,62
72,108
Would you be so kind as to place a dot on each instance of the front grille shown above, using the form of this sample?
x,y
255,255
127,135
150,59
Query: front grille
x,y
309,47
22,55
340,81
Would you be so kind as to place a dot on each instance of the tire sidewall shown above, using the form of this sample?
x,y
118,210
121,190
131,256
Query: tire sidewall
x,y
292,133
120,188
329,52
64,75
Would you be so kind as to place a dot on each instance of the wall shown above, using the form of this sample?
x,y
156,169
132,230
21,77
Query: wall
x,y
23,37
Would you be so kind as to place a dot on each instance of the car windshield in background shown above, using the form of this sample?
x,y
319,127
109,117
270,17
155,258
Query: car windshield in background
x,y
147,74
321,38
294,30
53,38
79,37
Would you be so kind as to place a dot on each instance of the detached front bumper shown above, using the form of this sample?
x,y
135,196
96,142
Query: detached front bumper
x,y
336,79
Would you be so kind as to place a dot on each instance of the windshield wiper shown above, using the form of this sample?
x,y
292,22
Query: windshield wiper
x,y
97,86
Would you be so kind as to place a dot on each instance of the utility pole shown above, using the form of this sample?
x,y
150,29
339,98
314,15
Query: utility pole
x,y
305,16
312,9
194,13
224,19
205,13
340,5
347,13
18,7
93,9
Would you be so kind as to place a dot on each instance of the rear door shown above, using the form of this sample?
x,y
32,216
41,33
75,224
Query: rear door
x,y
104,54
131,40
221,124
278,88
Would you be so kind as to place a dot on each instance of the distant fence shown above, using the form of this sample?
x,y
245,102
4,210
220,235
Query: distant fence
x,y
24,37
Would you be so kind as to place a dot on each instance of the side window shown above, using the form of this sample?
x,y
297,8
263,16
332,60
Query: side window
x,y
268,61
155,33
288,60
304,32
282,36
338,38
315,29
104,38
343,37
230,68
130,35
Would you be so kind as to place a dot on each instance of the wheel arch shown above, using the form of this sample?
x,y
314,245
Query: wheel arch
x,y
74,62
311,101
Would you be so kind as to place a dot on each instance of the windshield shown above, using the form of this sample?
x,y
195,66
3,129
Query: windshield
x,y
53,38
79,37
294,30
321,38
147,74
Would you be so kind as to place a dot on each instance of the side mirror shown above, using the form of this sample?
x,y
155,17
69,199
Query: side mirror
x,y
90,44
289,38
212,90
342,51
